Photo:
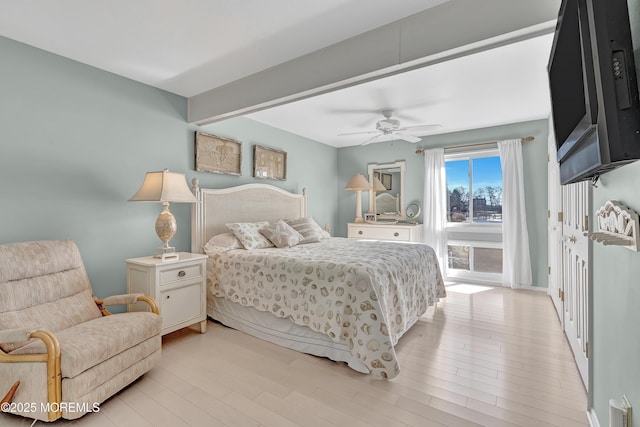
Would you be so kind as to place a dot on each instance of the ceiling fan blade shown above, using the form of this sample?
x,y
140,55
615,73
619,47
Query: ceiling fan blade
x,y
407,137
380,138
423,127
351,111
359,133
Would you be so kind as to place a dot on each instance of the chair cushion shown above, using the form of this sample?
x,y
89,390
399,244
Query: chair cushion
x,y
91,343
75,389
101,391
43,285
30,259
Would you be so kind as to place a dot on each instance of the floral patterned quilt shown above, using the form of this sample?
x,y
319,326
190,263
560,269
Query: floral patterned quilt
x,y
365,293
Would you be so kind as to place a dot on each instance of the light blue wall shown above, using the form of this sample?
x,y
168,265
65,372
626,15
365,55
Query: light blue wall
x,y
75,143
352,160
616,299
310,165
616,290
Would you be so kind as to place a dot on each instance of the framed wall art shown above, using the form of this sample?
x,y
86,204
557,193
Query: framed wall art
x,y
218,155
269,163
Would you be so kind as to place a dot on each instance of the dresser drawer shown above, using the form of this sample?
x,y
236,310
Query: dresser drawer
x,y
187,272
380,233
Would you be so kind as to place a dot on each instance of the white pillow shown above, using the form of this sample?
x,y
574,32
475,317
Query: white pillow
x,y
249,234
281,234
222,243
310,230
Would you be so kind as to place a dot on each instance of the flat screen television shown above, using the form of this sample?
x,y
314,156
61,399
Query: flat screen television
x,y
594,89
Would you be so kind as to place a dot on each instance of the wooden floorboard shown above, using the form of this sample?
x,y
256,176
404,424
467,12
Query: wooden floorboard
x,y
494,358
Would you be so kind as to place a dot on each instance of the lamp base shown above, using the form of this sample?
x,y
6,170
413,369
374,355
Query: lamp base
x,y
166,252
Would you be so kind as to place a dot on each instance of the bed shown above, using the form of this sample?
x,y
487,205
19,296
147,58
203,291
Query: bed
x,y
335,297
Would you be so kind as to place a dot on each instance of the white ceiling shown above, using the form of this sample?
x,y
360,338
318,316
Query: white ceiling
x,y
190,46
495,87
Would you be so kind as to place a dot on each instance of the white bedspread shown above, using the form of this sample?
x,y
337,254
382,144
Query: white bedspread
x,y
365,293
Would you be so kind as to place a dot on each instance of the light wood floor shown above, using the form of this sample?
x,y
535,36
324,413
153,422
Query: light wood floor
x,y
494,358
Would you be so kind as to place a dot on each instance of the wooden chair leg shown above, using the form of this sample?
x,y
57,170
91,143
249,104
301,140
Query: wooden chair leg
x,y
9,396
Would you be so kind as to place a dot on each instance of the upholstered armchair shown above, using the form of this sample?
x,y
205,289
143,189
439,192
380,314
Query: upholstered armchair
x,y
67,351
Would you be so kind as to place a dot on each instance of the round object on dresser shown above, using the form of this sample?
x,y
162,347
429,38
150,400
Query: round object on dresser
x,y
412,212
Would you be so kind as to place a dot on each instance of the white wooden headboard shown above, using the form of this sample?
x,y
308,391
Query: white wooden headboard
x,y
244,203
387,204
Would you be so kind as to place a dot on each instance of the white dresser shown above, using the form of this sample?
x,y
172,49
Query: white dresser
x,y
178,285
402,232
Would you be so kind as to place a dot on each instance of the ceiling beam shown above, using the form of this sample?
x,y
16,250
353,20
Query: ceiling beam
x,y
449,30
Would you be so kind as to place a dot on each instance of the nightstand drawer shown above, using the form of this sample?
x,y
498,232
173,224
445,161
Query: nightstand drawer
x,y
171,275
380,233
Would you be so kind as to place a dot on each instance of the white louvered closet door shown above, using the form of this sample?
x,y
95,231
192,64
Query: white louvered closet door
x,y
576,271
554,232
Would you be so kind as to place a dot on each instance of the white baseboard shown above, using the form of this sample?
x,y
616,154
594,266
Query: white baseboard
x,y
475,281
593,418
535,288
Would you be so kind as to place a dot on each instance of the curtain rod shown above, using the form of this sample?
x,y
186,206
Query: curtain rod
x,y
479,144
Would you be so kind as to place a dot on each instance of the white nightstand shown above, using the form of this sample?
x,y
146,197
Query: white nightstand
x,y
380,231
177,284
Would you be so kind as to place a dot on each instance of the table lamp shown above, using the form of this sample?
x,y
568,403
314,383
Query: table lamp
x,y
377,186
358,183
165,187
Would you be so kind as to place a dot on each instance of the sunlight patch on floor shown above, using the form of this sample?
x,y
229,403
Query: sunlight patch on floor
x,y
467,289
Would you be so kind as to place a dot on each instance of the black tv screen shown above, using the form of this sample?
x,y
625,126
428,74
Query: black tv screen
x,y
567,94
594,91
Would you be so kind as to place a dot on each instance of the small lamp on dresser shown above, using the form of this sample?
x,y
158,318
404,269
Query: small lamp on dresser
x,y
376,186
358,183
165,187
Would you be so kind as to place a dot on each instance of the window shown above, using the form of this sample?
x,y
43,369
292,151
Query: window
x,y
474,257
474,188
474,215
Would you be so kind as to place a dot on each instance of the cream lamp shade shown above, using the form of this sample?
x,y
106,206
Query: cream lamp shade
x,y
358,183
377,186
165,187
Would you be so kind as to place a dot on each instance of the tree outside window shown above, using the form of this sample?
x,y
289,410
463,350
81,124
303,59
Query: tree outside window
x,y
481,177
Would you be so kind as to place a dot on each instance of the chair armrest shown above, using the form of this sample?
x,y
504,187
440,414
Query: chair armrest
x,y
128,299
51,358
19,335
121,299
16,335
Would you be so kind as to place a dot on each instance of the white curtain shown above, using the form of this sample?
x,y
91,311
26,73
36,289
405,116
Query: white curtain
x,y
516,263
435,203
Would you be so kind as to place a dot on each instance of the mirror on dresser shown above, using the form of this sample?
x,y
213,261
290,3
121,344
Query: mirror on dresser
x,y
386,199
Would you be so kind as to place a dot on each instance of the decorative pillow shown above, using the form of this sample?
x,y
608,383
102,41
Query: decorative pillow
x,y
310,230
222,243
249,234
281,234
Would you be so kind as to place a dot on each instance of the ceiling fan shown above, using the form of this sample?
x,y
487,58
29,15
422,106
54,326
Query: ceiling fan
x,y
389,129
